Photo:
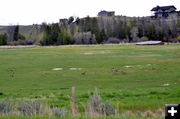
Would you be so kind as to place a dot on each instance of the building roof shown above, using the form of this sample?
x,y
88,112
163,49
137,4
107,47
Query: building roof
x,y
106,13
103,11
163,8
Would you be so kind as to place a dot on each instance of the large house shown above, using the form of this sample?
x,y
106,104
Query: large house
x,y
106,13
165,12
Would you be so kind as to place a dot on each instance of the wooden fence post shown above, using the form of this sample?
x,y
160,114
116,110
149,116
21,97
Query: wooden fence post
x,y
74,107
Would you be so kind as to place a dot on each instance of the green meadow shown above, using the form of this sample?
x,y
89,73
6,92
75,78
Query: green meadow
x,y
135,78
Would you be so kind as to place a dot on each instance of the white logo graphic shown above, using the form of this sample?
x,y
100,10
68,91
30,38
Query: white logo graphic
x,y
172,111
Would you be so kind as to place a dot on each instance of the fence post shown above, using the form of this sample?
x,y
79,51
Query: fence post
x,y
74,107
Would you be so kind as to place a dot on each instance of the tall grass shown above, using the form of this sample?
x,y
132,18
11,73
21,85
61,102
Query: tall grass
x,y
95,108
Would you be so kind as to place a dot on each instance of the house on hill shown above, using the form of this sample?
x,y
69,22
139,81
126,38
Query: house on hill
x,y
106,13
165,12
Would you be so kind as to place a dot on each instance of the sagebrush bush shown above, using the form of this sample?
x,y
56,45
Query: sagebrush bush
x,y
108,109
31,108
97,108
5,107
96,103
59,112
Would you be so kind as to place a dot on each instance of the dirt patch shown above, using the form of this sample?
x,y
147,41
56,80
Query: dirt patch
x,y
19,46
149,55
60,69
74,68
57,69
167,84
178,80
96,52
88,53
127,66
139,56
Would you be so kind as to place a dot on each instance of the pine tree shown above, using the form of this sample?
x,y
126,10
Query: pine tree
x,y
55,32
3,39
16,33
103,35
151,32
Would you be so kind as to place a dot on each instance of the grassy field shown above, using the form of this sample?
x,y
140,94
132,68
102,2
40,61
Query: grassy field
x,y
131,77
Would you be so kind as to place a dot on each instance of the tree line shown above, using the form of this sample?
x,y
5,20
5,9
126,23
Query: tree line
x,y
99,30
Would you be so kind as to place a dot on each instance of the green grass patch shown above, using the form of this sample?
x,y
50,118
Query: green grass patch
x,y
130,77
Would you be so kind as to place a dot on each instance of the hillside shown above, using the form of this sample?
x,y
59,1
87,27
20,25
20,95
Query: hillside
x,y
113,29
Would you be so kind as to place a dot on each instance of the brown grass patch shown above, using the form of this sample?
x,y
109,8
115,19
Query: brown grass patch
x,y
148,114
178,80
129,113
160,113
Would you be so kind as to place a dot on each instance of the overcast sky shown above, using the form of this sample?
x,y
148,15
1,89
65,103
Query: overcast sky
x,y
37,11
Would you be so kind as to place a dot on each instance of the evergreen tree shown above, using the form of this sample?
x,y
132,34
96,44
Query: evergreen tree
x,y
160,35
151,32
95,30
3,39
174,29
140,32
16,33
128,32
47,35
70,20
54,32
87,25
60,39
103,35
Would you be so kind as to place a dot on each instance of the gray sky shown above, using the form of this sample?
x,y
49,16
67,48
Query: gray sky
x,y
37,11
